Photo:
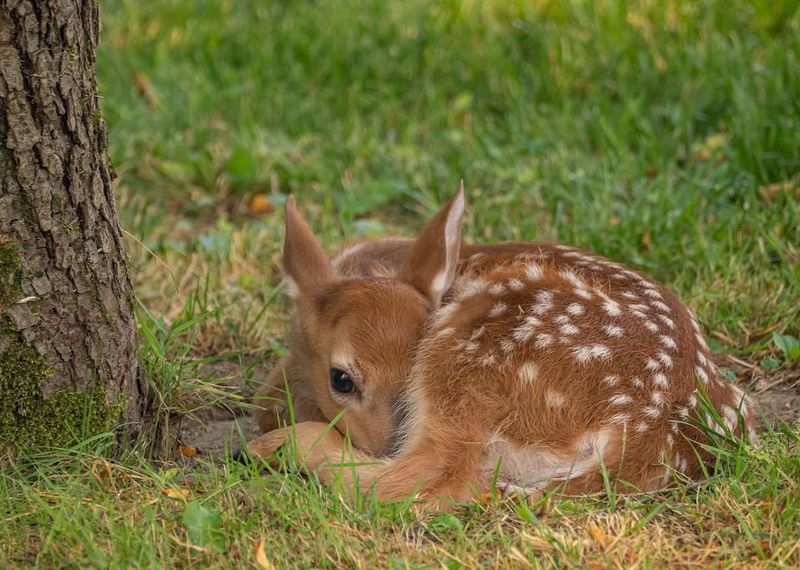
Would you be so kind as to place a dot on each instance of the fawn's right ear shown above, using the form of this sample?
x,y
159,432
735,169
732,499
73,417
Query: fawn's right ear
x,y
307,267
434,257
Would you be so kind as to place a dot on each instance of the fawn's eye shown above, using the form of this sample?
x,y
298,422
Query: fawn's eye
x,y
341,381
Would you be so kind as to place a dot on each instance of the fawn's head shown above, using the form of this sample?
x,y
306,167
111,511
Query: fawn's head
x,y
354,338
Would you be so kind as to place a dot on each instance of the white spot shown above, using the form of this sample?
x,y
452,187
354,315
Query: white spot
x,y
712,423
667,321
674,427
618,277
477,333
525,331
613,330
568,329
731,417
651,411
468,346
544,301
702,358
583,354
670,440
506,345
667,341
701,341
515,284
612,308
554,399
652,293
639,307
642,427
652,364
702,374
447,331
695,324
660,379
561,319
573,278
497,289
575,309
620,400
470,288
661,306
665,359
639,314
580,292
487,359
542,340
621,418
692,401
651,326
683,413
657,398
636,381
533,272
630,295
528,372
498,309
611,380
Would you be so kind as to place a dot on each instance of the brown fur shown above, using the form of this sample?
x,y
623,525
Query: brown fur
x,y
538,359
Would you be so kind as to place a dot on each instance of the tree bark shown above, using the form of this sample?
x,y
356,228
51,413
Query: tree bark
x,y
69,364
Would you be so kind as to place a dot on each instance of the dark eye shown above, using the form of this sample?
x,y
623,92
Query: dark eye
x,y
341,381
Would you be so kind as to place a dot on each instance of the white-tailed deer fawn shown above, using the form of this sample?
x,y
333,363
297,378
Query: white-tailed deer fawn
x,y
527,365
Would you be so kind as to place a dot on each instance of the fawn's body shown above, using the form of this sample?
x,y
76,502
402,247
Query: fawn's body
x,y
531,364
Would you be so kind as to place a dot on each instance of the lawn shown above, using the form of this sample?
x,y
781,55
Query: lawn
x,y
662,134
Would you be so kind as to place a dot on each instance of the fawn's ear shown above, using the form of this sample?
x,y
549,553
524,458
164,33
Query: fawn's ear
x,y
307,267
434,256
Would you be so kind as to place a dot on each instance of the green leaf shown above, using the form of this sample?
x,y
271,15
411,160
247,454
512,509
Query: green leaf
x,y
769,363
789,346
445,522
204,526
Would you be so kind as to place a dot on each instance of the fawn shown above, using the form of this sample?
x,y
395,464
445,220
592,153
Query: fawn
x,y
520,365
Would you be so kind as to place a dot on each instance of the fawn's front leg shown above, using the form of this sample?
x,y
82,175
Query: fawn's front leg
x,y
321,449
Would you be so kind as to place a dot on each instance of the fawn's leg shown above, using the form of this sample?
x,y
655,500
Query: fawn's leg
x,y
436,473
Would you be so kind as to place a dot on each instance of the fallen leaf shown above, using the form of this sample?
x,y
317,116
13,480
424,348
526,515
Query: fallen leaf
x,y
188,451
771,191
176,493
599,535
145,89
261,557
260,204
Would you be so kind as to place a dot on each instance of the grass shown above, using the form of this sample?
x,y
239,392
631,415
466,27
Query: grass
x,y
665,135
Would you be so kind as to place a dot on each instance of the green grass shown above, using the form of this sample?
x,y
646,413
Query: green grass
x,y
665,135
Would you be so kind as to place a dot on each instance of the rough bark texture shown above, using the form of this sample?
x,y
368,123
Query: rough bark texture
x,y
67,333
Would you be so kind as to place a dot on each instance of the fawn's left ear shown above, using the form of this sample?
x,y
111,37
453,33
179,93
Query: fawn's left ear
x,y
434,256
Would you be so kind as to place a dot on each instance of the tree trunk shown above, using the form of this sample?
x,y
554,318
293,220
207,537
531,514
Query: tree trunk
x,y
69,366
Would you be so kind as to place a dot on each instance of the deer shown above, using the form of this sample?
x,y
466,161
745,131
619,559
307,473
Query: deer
x,y
436,370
